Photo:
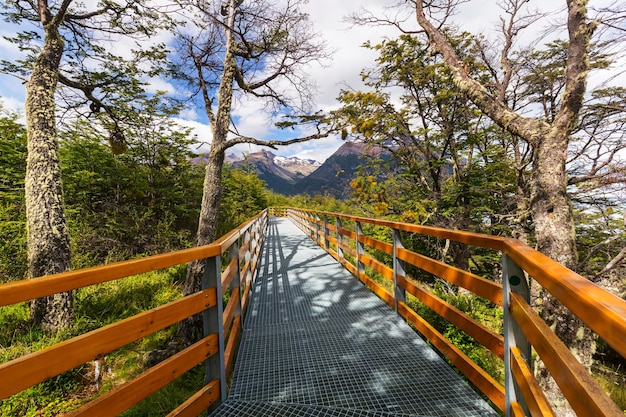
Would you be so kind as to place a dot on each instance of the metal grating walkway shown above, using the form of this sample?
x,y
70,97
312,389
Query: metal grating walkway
x,y
316,342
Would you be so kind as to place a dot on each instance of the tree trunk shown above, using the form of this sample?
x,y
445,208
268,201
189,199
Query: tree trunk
x,y
554,229
191,328
550,205
48,236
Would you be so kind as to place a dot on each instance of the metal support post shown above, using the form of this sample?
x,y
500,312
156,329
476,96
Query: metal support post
x,y
235,284
339,238
317,230
398,271
251,236
326,241
513,280
214,366
360,249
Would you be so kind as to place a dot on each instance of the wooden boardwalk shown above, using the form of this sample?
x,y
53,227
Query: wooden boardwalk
x,y
316,342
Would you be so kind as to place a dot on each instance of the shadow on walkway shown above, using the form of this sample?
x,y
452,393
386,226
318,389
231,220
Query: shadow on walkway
x,y
317,342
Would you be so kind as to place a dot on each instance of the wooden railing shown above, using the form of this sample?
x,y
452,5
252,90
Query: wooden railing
x,y
343,237
222,324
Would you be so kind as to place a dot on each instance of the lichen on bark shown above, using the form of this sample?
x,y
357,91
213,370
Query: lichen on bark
x,y
550,204
48,236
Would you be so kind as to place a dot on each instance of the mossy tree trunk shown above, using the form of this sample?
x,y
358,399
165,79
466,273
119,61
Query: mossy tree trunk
x,y
48,236
550,205
212,189
70,30
250,47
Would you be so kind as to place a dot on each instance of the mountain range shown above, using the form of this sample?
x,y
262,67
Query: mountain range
x,y
293,175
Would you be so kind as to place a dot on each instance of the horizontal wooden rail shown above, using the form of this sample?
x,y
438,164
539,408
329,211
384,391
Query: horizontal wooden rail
x,y
603,312
492,341
36,367
229,274
489,386
199,402
377,266
124,396
229,310
476,239
580,389
231,346
29,289
531,391
39,366
478,285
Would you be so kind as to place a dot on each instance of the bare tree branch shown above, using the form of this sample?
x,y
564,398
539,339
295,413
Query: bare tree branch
x,y
612,264
269,143
530,129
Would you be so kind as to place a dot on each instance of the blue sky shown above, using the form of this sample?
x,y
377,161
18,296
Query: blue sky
x,y
343,70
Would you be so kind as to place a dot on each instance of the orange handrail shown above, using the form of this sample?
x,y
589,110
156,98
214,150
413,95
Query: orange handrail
x,y
242,245
602,311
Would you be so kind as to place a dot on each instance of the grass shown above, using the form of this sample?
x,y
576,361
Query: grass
x,y
95,307
106,303
612,379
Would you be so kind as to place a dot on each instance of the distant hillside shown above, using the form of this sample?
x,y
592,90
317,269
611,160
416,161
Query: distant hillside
x,y
335,174
279,173
293,175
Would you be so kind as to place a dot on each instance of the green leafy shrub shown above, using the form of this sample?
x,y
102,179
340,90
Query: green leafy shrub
x,y
12,209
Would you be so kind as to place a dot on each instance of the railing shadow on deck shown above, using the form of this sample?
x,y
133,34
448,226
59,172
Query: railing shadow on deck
x,y
524,330
524,334
334,344
240,249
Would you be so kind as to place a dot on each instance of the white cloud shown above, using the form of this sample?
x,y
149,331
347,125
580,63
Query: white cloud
x,y
318,150
159,84
343,69
14,106
349,58
189,113
201,131
251,119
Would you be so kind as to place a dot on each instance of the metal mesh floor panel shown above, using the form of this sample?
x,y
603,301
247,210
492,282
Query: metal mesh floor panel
x,y
254,409
316,342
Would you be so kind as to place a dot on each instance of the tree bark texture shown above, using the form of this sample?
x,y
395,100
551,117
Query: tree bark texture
x,y
549,141
550,205
191,328
48,236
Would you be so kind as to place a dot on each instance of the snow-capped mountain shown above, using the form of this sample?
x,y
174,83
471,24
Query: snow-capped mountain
x,y
293,175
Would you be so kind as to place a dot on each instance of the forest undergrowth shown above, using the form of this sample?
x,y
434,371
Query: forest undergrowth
x,y
98,306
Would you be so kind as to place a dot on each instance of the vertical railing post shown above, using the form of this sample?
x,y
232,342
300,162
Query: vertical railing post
x,y
250,237
214,366
398,271
257,240
235,283
326,241
339,239
317,229
513,280
360,249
